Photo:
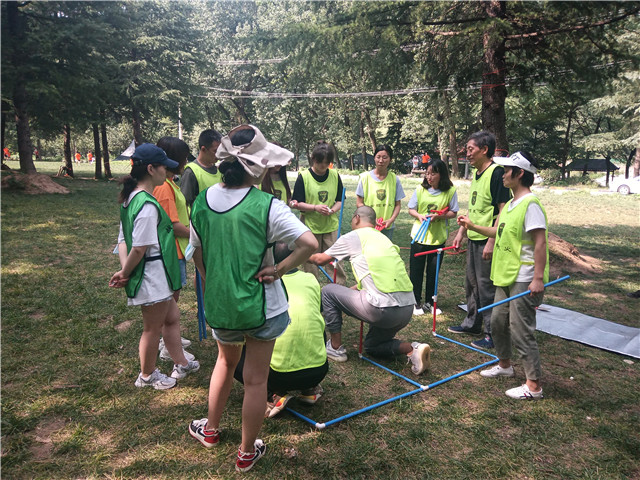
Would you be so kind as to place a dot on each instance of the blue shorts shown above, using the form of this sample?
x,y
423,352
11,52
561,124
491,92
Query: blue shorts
x,y
272,329
183,271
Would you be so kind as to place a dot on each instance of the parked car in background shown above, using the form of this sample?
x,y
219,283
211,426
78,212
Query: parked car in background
x,y
625,186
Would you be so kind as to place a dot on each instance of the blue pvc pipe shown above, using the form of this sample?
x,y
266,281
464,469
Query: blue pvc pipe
x,y
344,192
202,323
325,272
416,237
412,382
426,228
480,310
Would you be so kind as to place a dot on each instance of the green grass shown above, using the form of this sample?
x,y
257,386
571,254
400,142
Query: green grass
x,y
70,410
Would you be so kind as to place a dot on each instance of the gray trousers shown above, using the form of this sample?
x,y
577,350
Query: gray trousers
x,y
478,287
384,323
516,321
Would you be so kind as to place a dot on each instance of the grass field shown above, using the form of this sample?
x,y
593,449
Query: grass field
x,y
69,360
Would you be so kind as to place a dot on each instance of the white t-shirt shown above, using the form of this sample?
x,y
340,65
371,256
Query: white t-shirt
x,y
533,219
349,246
282,226
154,286
399,190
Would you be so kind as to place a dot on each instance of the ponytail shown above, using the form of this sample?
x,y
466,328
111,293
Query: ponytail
x,y
130,182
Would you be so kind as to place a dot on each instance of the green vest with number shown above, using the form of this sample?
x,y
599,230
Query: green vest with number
x,y
386,268
481,211
302,344
438,230
183,214
380,195
320,193
507,259
204,178
233,298
166,240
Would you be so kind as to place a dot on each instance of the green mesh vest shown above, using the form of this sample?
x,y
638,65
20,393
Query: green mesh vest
x,y
439,230
204,178
234,243
386,267
166,239
480,207
506,254
320,193
380,195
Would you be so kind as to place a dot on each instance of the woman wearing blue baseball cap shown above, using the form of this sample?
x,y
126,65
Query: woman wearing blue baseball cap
x,y
150,271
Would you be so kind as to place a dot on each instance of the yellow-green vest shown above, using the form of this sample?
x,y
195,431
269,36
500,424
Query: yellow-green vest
x,y
438,231
204,178
380,195
481,211
183,214
386,267
320,193
506,261
302,345
166,240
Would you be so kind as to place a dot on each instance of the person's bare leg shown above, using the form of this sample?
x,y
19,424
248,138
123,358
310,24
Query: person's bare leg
x,y
221,382
171,334
336,339
153,317
255,375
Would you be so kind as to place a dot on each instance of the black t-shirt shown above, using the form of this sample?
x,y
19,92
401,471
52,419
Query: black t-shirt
x,y
298,189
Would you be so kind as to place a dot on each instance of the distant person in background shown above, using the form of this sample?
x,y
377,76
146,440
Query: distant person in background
x,y
317,193
6,153
202,172
90,157
425,160
78,157
381,190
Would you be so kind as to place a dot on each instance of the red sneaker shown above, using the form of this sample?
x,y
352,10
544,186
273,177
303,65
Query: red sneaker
x,y
208,438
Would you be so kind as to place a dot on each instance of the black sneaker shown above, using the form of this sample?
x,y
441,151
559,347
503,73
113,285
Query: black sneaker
x,y
461,329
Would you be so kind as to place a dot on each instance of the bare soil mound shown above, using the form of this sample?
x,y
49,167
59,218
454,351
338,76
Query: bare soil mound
x,y
32,184
568,259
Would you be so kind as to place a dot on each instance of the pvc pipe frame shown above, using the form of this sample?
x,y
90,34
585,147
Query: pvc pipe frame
x,y
488,307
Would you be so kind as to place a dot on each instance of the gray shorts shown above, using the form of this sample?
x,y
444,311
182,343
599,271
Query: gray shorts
x,y
272,329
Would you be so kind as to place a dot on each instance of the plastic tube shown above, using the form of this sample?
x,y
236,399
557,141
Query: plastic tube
x,y
488,307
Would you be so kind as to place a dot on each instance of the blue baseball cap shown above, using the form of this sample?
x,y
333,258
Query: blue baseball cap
x,y
150,154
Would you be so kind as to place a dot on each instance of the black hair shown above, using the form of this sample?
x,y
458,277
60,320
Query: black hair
x,y
384,148
438,166
280,252
484,138
208,137
267,184
130,182
176,150
323,152
527,177
233,173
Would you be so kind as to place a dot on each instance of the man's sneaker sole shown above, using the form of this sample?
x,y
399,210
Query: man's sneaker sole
x,y
197,431
422,362
245,462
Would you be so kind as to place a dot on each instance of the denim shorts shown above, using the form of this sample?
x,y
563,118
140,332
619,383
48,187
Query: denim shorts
x,y
272,329
183,271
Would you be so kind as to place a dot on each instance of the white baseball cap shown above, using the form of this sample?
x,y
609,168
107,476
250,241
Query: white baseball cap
x,y
516,160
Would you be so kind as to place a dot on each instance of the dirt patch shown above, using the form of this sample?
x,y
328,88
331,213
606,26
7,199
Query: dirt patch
x,y
43,445
124,326
568,259
37,315
32,184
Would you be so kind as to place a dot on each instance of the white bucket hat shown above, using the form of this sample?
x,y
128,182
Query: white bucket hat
x,y
516,160
255,156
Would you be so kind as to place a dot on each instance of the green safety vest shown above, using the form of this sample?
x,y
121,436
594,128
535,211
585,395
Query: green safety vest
x,y
183,214
481,211
380,195
386,268
506,253
320,193
438,231
302,345
233,298
204,178
166,240
278,189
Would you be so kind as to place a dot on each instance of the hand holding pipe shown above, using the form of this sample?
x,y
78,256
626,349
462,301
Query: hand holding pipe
x,y
558,280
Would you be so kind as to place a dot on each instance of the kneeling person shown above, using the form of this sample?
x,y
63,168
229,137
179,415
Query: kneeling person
x,y
384,296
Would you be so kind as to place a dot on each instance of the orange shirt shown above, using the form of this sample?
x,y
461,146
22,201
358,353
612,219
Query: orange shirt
x,y
167,199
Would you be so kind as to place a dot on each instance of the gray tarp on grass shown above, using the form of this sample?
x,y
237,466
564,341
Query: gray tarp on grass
x,y
592,331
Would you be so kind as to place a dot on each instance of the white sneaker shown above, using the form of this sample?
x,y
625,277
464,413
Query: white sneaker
x,y
157,380
523,393
180,371
164,355
337,354
497,371
417,310
420,358
185,343
428,307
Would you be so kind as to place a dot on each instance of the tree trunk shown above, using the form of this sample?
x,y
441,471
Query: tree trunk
x,y
371,132
66,132
137,126
96,150
635,155
105,149
450,128
362,142
567,142
494,91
